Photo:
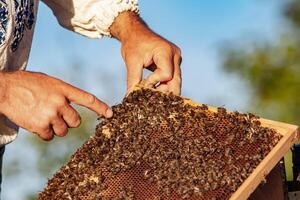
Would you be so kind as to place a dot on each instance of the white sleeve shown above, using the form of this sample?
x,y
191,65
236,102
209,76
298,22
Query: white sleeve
x,y
91,18
8,130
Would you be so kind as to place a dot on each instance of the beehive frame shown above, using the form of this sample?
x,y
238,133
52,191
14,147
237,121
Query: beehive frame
x,y
290,135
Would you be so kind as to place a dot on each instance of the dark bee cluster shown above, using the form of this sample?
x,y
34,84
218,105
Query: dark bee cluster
x,y
158,146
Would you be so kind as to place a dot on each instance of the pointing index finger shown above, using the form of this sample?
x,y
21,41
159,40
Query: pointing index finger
x,y
90,101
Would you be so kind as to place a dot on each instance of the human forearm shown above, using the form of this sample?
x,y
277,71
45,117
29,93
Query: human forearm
x,y
2,89
129,25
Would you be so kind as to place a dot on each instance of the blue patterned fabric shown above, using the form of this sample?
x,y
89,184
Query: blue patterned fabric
x,y
24,19
3,21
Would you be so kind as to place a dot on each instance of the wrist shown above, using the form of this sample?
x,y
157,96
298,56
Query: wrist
x,y
3,89
129,26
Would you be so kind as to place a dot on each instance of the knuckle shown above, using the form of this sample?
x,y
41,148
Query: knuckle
x,y
166,76
169,48
177,79
91,99
46,135
178,52
59,100
43,125
164,48
51,115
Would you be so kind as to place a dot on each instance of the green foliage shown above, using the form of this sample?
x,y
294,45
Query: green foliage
x,y
273,76
292,11
271,71
31,197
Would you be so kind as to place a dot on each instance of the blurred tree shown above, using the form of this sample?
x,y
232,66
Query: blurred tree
x,y
271,70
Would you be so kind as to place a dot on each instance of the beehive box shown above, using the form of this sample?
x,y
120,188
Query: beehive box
x,y
160,146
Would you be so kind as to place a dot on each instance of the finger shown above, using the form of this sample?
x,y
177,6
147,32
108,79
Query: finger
x,y
134,74
163,87
87,100
46,134
70,116
175,83
59,127
163,73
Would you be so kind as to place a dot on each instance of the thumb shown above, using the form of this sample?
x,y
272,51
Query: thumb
x,y
87,100
134,74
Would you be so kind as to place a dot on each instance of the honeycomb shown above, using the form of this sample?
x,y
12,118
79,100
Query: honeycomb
x,y
159,146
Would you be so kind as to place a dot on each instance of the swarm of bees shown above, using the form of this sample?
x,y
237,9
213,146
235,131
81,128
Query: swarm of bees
x,y
157,146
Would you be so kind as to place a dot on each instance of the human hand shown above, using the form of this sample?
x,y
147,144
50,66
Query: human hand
x,y
142,48
41,104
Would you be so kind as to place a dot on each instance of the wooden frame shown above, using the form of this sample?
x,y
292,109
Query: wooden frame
x,y
290,135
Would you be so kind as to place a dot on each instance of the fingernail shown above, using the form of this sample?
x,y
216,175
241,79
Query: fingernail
x,y
109,113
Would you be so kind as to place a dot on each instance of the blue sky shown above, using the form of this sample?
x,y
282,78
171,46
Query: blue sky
x,y
198,27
